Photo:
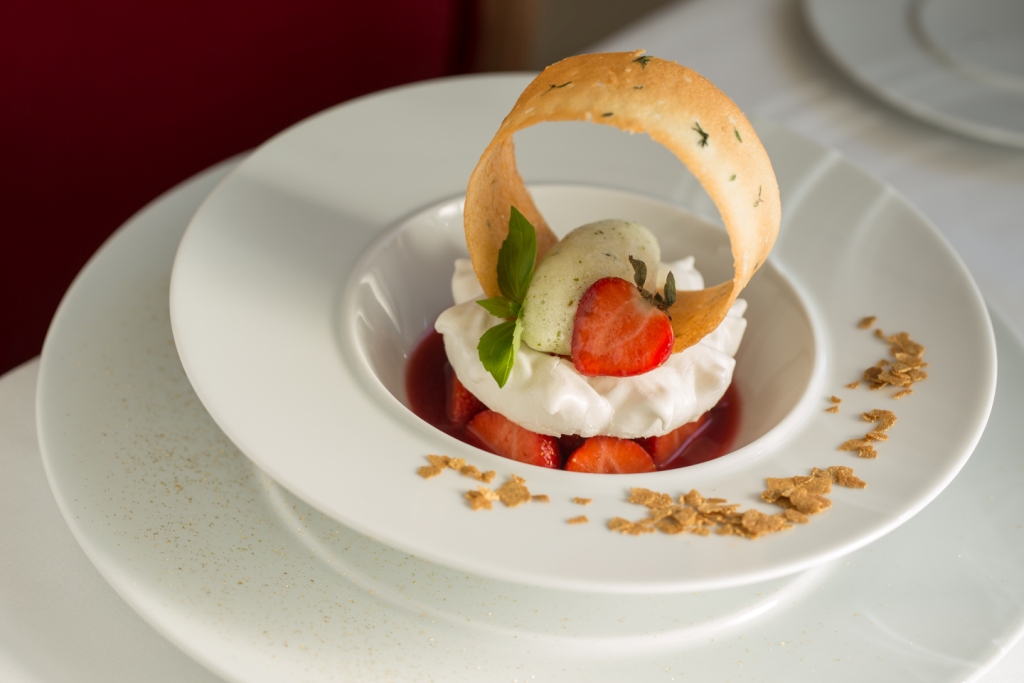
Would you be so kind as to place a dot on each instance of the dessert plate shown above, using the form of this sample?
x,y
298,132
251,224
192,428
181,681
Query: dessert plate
x,y
958,65
258,586
306,276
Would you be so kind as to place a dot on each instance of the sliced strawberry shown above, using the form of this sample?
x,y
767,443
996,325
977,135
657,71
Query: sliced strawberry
x,y
507,439
610,455
665,448
617,332
462,405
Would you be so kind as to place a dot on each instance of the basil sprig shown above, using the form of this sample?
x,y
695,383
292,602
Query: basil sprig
x,y
499,345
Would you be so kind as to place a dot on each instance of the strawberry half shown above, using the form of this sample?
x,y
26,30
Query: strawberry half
x,y
507,439
610,455
618,333
462,405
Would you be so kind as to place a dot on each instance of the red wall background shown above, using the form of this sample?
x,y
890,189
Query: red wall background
x,y
106,104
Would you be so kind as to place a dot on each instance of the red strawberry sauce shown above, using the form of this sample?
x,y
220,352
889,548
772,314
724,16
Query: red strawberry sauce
x,y
427,383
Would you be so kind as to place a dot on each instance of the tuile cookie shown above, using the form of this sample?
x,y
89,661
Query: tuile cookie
x,y
677,108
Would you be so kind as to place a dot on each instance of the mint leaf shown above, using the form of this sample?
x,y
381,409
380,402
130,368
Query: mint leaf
x,y
500,307
516,257
499,345
498,348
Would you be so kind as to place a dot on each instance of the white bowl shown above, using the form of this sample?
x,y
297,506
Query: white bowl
x,y
263,318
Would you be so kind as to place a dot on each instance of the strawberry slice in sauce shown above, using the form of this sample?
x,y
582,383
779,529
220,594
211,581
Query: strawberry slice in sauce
x,y
618,333
664,448
507,439
610,455
461,405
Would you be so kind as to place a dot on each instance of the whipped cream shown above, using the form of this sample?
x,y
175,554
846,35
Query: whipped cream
x,y
546,394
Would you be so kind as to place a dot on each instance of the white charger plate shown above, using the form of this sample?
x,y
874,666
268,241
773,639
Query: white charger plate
x,y
258,586
952,63
283,291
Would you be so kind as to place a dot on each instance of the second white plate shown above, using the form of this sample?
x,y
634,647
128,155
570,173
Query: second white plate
x,y
261,306
260,587
955,64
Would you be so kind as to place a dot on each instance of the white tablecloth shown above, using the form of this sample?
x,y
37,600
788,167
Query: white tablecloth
x,y
59,621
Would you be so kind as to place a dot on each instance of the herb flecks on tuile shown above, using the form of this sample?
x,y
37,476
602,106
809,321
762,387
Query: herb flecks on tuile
x,y
516,259
656,299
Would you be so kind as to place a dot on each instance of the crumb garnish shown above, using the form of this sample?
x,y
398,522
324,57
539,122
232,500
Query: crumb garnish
x,y
439,463
582,501
884,420
867,322
582,519
906,368
799,497
482,498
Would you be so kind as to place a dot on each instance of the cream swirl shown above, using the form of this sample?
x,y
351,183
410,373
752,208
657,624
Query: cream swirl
x,y
546,394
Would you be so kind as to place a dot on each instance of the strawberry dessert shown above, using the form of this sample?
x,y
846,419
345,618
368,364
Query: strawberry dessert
x,y
586,352
604,393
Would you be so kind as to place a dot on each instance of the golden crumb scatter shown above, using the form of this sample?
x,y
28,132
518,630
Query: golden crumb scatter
x,y
904,371
513,493
799,497
582,501
582,519
833,409
439,460
758,523
439,463
693,498
879,333
886,417
864,447
624,526
853,385
651,499
809,503
867,322
482,498
795,516
428,471
835,399
842,475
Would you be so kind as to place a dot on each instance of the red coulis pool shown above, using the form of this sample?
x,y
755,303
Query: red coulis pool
x,y
428,373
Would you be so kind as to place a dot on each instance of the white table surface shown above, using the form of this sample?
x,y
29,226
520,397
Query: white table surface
x,y
59,621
